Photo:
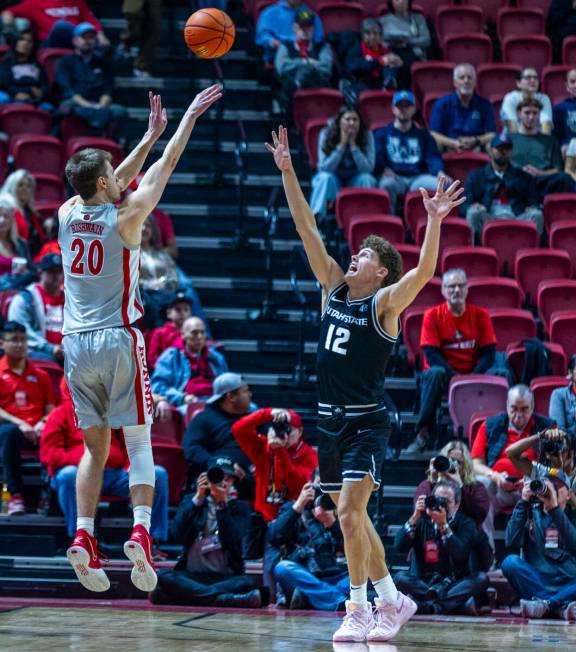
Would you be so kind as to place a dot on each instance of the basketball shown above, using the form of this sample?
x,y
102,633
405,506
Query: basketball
x,y
209,33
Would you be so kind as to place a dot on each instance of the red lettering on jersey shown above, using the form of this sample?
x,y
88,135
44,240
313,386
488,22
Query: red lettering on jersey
x,y
146,377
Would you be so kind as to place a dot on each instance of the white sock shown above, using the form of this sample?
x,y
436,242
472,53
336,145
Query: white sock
x,y
386,589
142,516
359,594
85,523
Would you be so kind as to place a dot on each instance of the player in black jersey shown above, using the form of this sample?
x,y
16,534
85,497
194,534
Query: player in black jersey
x,y
360,315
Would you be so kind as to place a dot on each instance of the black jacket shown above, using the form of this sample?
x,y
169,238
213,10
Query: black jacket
x,y
22,77
89,78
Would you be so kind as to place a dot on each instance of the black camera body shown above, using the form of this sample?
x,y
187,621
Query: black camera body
x,y
539,488
321,500
553,447
444,464
281,429
215,475
435,503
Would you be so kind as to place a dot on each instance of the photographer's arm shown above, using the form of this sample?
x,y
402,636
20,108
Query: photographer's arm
x,y
282,529
514,536
183,526
458,545
566,529
514,454
245,431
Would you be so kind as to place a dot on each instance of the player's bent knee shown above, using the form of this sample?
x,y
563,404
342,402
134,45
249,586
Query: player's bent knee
x,y
351,521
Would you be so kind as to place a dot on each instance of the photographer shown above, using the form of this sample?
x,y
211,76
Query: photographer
x,y
308,533
545,575
563,401
211,524
440,538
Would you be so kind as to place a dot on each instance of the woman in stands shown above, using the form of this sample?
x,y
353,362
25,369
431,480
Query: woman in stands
x,y
346,157
405,32
15,263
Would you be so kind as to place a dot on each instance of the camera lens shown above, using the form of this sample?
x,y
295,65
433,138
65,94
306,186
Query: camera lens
x,y
281,429
215,475
441,463
538,487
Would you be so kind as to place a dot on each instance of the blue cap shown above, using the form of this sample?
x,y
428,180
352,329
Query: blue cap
x,y
403,96
50,261
83,28
500,140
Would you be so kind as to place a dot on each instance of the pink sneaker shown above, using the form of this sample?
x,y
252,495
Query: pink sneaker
x,y
138,549
357,623
84,557
389,617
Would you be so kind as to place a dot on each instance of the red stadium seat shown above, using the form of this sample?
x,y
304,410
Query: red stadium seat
x,y
458,165
511,325
476,420
569,51
47,209
452,19
455,233
559,206
3,159
341,17
490,7
542,389
496,78
471,48
506,237
374,8
376,107
494,292
473,392
512,21
430,294
534,49
562,331
515,354
311,103
535,265
431,77
388,227
554,82
73,126
354,202
410,255
48,58
428,105
544,5
311,138
411,327
496,102
55,371
563,236
475,261
25,119
171,457
38,154
76,144
193,410
414,211
170,430
49,187
430,7
6,297
555,296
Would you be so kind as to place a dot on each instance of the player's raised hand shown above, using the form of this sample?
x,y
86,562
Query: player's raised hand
x,y
280,149
444,200
158,119
205,99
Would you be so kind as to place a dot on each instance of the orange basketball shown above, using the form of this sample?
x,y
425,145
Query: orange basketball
x,y
209,33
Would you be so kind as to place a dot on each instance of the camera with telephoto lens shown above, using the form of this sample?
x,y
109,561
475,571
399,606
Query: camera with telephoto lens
x,y
321,500
553,447
281,429
444,464
539,487
435,503
215,475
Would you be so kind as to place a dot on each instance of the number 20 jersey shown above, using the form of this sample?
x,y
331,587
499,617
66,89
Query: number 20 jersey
x,y
353,352
100,270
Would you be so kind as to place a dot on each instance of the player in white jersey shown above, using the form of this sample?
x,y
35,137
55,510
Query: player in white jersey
x,y
105,358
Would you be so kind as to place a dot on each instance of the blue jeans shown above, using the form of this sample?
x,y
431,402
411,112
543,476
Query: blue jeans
x,y
325,187
322,594
115,483
531,584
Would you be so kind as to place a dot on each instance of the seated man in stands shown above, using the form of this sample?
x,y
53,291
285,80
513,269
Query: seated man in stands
x,y
527,89
496,434
186,375
40,308
61,449
463,121
500,190
545,574
565,113
85,80
456,338
406,155
563,401
26,399
440,537
163,337
211,524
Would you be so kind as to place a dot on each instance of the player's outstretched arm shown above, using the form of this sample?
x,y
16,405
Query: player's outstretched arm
x,y
397,297
137,206
130,167
325,268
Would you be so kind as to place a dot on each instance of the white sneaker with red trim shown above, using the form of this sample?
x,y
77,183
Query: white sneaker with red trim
x,y
84,557
138,549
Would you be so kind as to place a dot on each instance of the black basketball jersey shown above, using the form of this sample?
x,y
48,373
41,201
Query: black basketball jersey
x,y
353,352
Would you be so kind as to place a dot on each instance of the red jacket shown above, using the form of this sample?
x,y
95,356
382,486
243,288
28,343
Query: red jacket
x,y
44,13
292,466
163,338
62,444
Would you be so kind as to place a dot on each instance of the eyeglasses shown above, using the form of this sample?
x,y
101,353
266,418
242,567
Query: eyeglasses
x,y
196,332
529,77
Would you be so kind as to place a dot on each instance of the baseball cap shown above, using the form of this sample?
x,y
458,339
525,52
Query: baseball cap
x,y
558,474
222,462
403,96
179,297
50,261
83,28
295,419
501,140
224,383
304,18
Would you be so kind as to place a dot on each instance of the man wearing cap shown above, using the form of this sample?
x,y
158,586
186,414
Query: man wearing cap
x,y
545,574
500,190
85,80
406,155
463,121
40,308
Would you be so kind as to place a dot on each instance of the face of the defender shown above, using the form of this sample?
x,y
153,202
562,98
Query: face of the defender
x,y
365,268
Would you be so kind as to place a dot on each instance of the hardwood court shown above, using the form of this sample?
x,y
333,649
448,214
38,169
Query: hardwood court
x,y
107,626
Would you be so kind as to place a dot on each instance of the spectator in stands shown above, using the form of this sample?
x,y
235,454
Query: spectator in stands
x,y
15,262
50,246
538,154
563,401
528,84
170,334
55,20
406,155
545,574
26,399
371,64
496,434
463,121
85,80
143,20
345,158
40,308
19,190
210,432
276,25
564,113
61,449
405,31
301,62
211,524
500,190
440,537
560,23
186,375
457,338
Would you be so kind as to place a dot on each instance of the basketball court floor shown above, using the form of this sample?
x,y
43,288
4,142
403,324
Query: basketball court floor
x,y
40,625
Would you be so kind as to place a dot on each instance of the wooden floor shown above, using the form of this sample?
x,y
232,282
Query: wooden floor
x,y
105,626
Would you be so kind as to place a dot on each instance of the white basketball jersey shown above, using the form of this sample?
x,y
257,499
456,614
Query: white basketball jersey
x,y
100,271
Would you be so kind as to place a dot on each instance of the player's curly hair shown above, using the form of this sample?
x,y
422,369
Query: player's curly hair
x,y
84,168
388,256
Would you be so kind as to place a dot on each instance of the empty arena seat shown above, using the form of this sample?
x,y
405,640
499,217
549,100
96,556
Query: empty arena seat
x,y
511,325
73,126
496,78
494,292
311,103
374,8
428,105
49,188
535,265
506,237
388,227
472,48
475,261
193,410
410,255
476,420
3,158
38,154
512,21
489,7
375,107
341,16
169,430
459,165
455,233
554,82
569,51
431,77
311,138
47,209
171,457
559,206
24,119
516,353
554,296
535,50
562,330
562,235
411,327
430,294
451,19
76,144
355,202
544,5
542,388
48,58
